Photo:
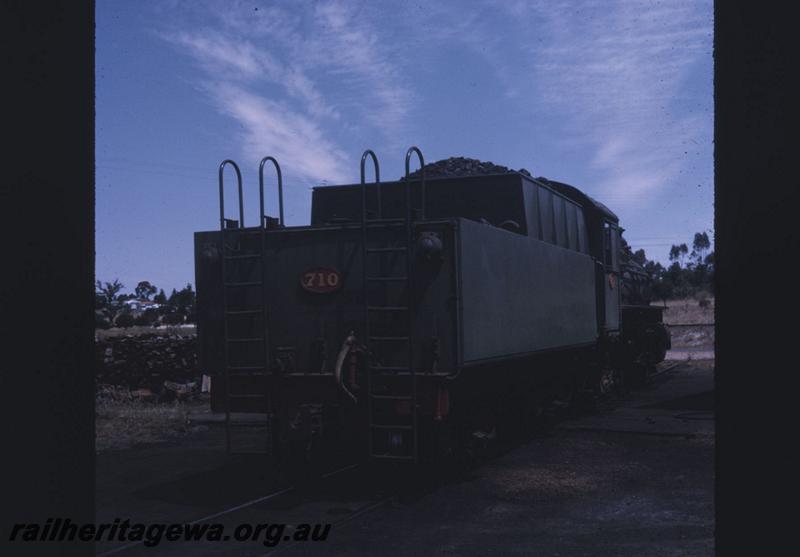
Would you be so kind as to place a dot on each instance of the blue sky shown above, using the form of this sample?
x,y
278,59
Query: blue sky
x,y
613,97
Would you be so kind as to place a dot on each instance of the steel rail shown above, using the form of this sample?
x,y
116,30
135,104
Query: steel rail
x,y
235,508
287,545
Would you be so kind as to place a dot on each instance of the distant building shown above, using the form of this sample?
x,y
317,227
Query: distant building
x,y
137,307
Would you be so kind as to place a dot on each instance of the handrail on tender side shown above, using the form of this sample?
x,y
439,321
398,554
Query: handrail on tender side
x,y
261,188
422,172
222,195
377,167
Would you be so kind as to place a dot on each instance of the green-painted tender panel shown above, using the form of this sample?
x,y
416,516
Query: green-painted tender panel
x,y
521,295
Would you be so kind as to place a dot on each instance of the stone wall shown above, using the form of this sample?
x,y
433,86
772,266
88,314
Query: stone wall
x,y
152,363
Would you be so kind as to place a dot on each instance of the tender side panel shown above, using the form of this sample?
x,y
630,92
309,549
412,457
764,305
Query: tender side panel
x,y
435,287
521,295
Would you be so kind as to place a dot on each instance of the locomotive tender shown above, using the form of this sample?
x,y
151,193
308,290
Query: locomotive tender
x,y
410,318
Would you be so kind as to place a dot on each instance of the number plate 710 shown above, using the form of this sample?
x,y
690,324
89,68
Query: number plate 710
x,y
321,280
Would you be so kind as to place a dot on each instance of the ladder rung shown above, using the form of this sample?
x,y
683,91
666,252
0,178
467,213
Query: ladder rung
x,y
393,397
389,368
251,283
252,339
390,339
245,312
387,278
393,457
383,250
243,256
378,222
387,308
387,426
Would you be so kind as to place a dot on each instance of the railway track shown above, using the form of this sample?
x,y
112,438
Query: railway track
x,y
321,488
361,511
665,370
344,491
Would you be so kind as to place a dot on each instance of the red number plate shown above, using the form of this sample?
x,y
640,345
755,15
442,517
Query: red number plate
x,y
321,280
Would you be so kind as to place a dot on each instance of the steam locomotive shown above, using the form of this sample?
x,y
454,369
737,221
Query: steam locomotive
x,y
412,318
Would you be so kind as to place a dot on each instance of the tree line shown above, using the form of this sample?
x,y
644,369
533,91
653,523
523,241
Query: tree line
x,y
111,309
689,273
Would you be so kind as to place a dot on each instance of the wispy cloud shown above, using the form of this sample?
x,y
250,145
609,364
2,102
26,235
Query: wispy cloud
x,y
227,59
339,42
611,74
286,72
271,127
617,71
350,50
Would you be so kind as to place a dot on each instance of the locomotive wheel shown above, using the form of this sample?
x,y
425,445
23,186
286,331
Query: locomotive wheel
x,y
463,456
477,433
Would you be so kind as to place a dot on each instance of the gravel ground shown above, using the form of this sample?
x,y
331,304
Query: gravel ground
x,y
647,491
636,479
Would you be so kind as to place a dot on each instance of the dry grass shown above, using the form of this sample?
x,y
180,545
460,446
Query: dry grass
x,y
689,311
124,424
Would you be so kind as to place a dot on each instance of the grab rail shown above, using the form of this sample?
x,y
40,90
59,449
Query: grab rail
x,y
377,168
261,188
422,172
222,195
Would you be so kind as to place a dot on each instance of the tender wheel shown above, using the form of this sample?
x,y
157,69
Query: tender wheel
x,y
606,381
610,381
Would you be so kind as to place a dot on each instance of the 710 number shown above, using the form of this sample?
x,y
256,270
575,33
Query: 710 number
x,y
321,280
